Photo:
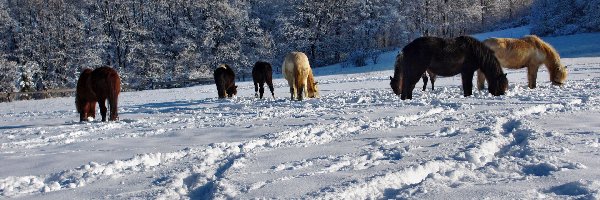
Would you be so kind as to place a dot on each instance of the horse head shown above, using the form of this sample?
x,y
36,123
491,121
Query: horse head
x,y
560,76
395,84
232,91
313,90
500,85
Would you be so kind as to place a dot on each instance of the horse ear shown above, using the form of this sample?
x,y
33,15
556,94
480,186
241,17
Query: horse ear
x,y
505,74
391,78
316,83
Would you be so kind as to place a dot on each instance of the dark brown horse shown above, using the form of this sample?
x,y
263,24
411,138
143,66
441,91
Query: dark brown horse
x,y
396,81
97,86
262,73
448,57
225,81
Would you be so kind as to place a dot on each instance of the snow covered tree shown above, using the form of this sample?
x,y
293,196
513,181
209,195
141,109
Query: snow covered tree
x,y
9,76
181,39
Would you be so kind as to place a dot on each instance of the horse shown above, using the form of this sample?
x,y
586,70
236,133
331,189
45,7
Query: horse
x,y
262,73
529,51
448,57
97,85
296,70
396,81
225,81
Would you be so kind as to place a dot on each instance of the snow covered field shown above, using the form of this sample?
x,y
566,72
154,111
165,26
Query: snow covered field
x,y
357,141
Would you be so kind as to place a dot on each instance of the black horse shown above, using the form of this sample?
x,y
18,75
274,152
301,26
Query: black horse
x,y
262,73
225,81
396,81
448,57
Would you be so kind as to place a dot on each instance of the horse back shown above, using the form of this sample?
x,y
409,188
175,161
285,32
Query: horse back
x,y
296,67
262,72
444,57
224,76
513,53
105,82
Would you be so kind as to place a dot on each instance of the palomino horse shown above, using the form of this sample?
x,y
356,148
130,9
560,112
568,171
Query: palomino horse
x,y
529,51
298,73
225,81
448,57
396,81
262,73
97,86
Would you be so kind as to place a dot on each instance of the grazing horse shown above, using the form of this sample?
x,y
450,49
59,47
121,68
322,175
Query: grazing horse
x,y
298,73
448,57
529,51
97,86
225,81
262,73
396,81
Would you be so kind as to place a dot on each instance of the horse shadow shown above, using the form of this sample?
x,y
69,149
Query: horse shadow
x,y
14,127
174,106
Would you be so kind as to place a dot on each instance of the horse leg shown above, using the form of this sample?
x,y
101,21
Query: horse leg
x,y
262,89
292,89
91,110
432,78
480,80
82,116
424,77
112,102
270,84
256,89
221,91
300,90
84,111
103,109
532,75
467,81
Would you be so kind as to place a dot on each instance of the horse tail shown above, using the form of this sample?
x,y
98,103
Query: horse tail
x,y
398,65
114,85
298,73
269,78
557,71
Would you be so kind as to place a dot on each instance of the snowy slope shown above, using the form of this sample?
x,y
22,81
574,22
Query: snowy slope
x,y
358,141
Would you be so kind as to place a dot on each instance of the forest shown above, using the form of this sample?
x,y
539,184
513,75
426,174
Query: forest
x,y
46,43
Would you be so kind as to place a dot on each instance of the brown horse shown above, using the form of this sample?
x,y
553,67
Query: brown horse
x,y
296,70
396,81
530,52
448,57
225,81
97,86
262,73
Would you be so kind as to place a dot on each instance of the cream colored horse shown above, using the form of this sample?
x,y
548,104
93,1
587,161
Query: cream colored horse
x,y
530,52
296,70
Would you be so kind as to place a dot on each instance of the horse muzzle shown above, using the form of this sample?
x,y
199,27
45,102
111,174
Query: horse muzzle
x,y
557,83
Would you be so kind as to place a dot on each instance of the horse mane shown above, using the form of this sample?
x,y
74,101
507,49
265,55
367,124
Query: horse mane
x,y
484,57
398,65
311,85
552,60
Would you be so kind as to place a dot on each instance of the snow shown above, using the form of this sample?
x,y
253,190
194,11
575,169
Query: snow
x,y
357,141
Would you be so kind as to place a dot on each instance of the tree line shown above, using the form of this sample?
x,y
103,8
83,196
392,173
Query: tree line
x,y
46,43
